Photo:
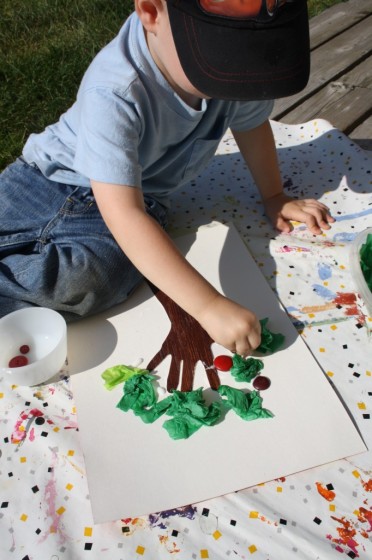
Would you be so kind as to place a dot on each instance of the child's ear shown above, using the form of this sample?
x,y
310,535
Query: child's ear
x,y
148,11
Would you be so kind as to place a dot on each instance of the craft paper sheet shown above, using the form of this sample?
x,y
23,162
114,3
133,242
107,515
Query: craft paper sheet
x,y
136,469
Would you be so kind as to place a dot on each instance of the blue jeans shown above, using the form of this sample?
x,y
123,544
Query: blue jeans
x,y
55,249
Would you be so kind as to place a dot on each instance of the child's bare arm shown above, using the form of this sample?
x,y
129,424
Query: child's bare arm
x,y
153,253
257,147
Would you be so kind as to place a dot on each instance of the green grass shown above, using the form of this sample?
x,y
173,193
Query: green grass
x,y
45,47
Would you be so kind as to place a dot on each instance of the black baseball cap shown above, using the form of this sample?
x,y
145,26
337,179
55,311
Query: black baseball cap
x,y
242,49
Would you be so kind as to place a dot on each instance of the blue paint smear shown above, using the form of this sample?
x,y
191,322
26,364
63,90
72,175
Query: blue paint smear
x,y
345,217
155,519
323,292
324,271
353,216
344,236
291,309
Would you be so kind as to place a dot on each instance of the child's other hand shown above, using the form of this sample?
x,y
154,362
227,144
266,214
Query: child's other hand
x,y
280,209
231,325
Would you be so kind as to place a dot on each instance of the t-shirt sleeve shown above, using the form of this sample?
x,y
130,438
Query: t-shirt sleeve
x,y
251,114
107,138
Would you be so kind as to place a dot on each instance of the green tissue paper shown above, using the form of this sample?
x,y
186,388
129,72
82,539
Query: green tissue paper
x,y
365,254
246,405
118,374
270,342
245,369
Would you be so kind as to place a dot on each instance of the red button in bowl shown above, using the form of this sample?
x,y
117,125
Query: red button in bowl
x,y
18,361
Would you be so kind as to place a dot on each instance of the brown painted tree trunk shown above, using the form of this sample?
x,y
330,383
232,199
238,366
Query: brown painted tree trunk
x,y
187,343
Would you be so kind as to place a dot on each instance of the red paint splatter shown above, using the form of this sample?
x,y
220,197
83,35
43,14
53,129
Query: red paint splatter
x,y
365,516
345,298
347,534
35,412
329,495
289,249
51,506
171,547
349,301
20,431
367,485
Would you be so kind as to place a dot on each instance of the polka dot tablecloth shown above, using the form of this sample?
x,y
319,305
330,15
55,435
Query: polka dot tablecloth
x,y
323,513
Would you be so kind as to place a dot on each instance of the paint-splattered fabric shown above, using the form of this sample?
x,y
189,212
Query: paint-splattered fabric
x,y
45,510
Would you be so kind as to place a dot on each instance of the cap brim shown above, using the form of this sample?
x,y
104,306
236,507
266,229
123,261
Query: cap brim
x,y
252,61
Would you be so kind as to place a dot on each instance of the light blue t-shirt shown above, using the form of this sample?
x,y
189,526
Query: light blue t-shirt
x,y
129,127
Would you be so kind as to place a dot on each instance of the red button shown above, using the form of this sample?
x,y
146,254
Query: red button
x,y
223,363
24,349
18,361
261,383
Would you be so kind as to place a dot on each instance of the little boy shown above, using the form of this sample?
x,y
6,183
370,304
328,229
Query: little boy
x,y
83,210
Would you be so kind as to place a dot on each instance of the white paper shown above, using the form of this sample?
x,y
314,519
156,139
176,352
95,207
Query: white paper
x,y
136,469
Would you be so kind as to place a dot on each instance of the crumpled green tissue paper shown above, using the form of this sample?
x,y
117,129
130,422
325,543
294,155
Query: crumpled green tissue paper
x,y
118,374
365,254
139,393
245,369
246,405
190,412
188,409
270,342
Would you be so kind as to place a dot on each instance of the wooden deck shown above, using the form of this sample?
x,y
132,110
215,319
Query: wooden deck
x,y
340,84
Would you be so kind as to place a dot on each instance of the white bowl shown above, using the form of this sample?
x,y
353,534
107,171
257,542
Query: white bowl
x,y
356,270
45,332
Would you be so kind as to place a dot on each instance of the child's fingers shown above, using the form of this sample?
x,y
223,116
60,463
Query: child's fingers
x,y
325,211
245,346
283,225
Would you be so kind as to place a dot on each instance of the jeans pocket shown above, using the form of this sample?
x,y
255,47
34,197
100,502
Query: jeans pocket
x,y
79,201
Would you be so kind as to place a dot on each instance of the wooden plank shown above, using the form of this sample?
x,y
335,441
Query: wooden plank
x,y
337,19
330,61
344,103
362,134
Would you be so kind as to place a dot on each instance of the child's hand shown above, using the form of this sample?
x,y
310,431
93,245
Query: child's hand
x,y
231,325
280,209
